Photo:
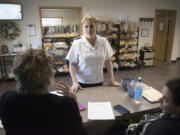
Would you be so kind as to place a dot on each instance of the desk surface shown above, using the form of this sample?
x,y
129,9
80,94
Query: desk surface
x,y
115,95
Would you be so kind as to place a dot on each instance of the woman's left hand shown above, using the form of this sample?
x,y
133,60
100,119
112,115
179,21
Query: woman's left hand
x,y
114,83
63,89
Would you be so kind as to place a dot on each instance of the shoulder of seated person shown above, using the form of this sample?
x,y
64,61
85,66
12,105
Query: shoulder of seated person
x,y
8,94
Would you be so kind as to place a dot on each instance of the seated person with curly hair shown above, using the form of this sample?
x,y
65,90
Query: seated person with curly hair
x,y
31,109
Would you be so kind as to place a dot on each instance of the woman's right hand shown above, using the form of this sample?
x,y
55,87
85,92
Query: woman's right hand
x,y
63,89
76,86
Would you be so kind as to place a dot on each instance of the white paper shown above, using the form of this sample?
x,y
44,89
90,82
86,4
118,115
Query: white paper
x,y
1,126
152,95
100,111
31,30
161,25
55,93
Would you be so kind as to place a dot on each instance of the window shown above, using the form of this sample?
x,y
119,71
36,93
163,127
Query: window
x,y
51,21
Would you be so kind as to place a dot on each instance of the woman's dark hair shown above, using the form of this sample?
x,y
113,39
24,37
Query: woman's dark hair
x,y
174,87
34,71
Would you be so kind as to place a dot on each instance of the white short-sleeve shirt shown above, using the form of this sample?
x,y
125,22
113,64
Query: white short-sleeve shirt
x,y
90,60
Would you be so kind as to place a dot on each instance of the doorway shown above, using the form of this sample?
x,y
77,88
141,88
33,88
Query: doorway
x,y
164,34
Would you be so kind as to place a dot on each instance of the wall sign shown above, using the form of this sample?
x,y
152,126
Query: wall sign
x,y
161,26
144,32
31,30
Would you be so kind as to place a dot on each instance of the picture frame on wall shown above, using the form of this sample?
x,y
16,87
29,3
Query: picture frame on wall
x,y
144,32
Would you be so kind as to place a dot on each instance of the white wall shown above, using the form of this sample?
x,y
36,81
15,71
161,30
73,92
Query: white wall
x,y
113,8
68,16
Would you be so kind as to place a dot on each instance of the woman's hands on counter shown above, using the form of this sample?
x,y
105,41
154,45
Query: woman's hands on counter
x,y
109,67
75,87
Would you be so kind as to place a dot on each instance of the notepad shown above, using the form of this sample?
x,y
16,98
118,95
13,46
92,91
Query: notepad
x,y
100,111
152,95
81,107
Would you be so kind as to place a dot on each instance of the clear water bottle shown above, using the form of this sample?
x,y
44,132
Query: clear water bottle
x,y
138,91
131,88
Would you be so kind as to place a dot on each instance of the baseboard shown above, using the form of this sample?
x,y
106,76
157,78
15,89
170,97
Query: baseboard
x,y
173,61
177,59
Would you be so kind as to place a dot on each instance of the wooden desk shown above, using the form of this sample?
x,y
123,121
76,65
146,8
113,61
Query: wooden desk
x,y
115,95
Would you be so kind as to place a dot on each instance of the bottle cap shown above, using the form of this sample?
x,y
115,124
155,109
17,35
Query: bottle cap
x,y
139,79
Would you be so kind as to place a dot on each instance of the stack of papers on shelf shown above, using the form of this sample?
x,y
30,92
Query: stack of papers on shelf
x,y
100,111
152,95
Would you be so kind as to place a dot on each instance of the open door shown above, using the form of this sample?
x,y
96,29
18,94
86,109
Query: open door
x,y
164,34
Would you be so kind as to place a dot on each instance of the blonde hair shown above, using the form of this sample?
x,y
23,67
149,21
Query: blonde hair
x,y
34,71
90,18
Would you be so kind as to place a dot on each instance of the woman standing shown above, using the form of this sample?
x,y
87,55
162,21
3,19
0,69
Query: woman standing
x,y
87,57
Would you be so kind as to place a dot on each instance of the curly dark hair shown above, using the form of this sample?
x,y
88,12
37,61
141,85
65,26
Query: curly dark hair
x,y
34,71
174,87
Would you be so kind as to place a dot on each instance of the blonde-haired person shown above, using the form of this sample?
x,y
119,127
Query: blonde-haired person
x,y
87,57
32,110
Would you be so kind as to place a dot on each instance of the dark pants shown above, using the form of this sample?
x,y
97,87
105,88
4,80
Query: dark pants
x,y
84,85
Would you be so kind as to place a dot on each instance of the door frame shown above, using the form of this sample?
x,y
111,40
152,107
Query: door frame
x,y
169,44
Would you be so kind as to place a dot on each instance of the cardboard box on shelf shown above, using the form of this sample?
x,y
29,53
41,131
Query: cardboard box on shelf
x,y
148,55
149,62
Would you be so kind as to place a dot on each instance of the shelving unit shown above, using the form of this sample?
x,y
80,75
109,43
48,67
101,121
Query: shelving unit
x,y
6,64
123,38
111,31
148,56
115,42
57,40
58,47
59,26
128,45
